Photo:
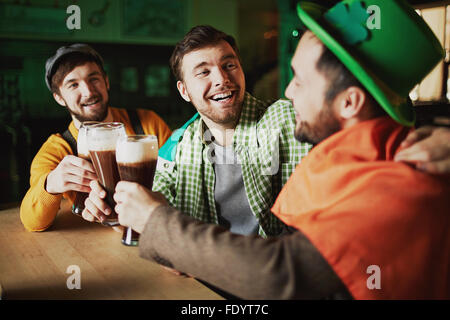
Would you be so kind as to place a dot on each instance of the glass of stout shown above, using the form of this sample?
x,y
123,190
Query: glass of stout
x,y
83,152
136,158
102,139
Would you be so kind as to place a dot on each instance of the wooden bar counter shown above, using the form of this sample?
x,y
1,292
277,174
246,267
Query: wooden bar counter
x,y
37,265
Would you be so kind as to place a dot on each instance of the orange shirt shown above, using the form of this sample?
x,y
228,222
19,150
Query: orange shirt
x,y
359,208
39,208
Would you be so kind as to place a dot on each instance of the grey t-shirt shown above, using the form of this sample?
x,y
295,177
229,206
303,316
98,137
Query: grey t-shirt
x,y
232,205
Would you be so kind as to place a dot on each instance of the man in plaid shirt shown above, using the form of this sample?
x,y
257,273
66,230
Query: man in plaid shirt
x,y
229,162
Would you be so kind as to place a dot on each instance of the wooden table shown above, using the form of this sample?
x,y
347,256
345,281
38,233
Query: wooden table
x,y
34,265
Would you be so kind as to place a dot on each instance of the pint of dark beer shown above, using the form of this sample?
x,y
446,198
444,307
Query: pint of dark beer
x,y
136,158
102,139
83,152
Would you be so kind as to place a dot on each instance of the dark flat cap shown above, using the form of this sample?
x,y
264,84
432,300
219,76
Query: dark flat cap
x,y
52,62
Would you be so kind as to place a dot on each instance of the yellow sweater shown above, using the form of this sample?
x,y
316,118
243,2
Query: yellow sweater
x,y
39,208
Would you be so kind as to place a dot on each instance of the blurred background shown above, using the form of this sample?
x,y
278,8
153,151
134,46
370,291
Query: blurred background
x,y
136,38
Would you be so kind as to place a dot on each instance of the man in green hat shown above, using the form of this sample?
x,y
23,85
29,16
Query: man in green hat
x,y
367,227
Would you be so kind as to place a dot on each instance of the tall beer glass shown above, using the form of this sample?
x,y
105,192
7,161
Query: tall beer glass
x,y
102,139
136,158
83,152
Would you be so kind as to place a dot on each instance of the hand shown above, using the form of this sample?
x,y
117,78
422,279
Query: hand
x,y
71,174
428,148
135,204
95,205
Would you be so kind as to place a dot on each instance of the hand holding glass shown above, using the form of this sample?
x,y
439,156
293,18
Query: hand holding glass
x,y
83,152
102,139
136,158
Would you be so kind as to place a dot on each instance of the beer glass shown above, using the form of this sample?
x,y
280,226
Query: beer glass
x,y
102,139
83,152
136,158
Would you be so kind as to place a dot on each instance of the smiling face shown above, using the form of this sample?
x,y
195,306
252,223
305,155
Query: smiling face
x,y
315,116
84,91
214,82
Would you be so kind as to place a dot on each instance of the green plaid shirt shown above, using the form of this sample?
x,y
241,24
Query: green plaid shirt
x,y
267,150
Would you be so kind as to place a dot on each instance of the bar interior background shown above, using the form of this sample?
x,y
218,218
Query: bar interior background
x,y
136,39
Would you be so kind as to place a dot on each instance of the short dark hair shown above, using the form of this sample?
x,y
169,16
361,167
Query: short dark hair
x,y
340,78
67,64
198,37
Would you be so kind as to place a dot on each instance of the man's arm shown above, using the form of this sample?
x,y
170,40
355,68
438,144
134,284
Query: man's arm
x,y
39,208
428,148
52,174
248,267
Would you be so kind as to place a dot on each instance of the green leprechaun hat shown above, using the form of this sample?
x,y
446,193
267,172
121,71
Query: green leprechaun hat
x,y
386,45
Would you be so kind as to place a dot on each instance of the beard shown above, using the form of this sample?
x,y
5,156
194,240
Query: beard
x,y
98,115
228,117
325,125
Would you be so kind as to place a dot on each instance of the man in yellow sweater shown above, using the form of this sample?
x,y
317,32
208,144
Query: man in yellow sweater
x,y
76,77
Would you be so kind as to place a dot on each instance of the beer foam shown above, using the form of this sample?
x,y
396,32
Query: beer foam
x,y
136,151
103,140
82,146
82,143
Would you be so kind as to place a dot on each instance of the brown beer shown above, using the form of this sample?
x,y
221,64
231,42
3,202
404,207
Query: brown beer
x,y
80,197
142,172
108,175
102,139
136,159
